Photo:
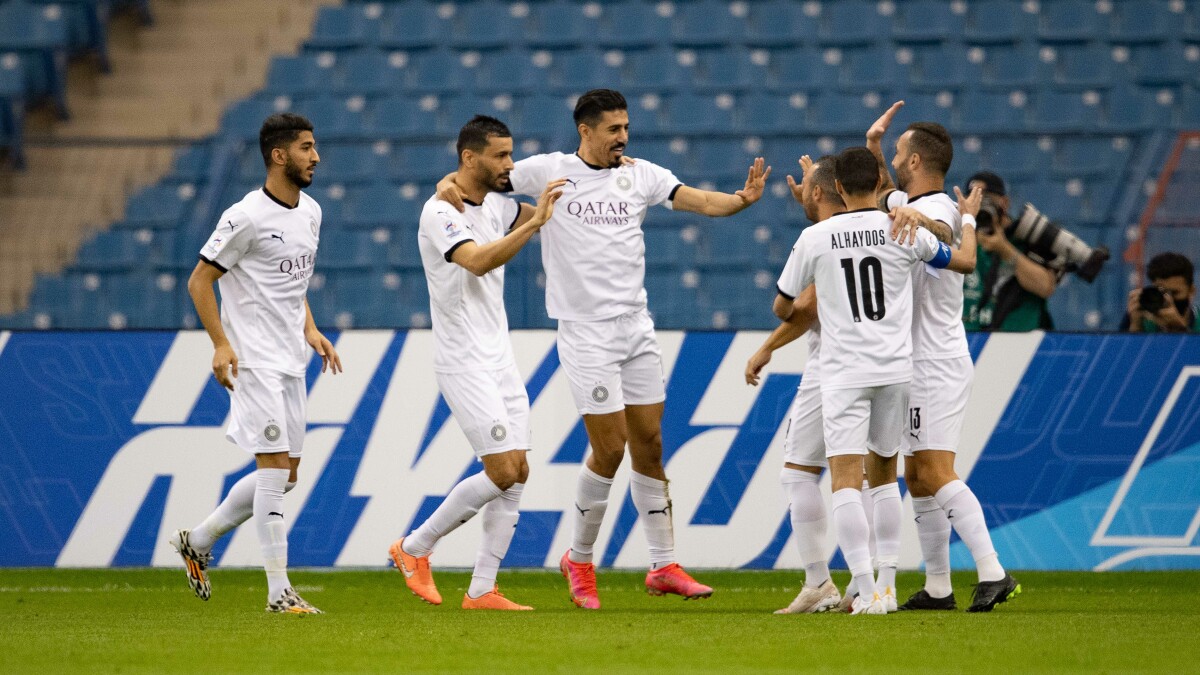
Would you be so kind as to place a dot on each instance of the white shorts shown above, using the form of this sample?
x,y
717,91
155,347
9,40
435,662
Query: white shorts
x,y
937,404
858,420
612,363
490,406
804,443
267,412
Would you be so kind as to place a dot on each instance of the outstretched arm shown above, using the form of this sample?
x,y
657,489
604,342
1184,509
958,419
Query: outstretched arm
x,y
479,260
804,313
875,145
710,203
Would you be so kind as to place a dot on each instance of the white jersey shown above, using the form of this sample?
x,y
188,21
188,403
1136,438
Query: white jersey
x,y
267,250
470,326
864,292
592,247
937,331
812,367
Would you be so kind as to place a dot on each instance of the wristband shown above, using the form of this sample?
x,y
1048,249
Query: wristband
x,y
968,219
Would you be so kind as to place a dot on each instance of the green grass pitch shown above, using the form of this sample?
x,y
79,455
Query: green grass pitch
x,y
134,621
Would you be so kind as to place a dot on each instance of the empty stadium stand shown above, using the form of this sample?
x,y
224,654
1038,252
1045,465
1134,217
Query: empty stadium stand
x,y
1071,100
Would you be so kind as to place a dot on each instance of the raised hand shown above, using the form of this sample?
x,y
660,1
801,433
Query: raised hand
x,y
756,182
880,127
970,205
545,203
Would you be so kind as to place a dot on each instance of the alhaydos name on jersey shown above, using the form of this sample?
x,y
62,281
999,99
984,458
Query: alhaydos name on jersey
x,y
857,238
300,267
600,212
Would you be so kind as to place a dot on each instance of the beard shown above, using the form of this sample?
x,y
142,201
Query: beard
x,y
295,174
902,179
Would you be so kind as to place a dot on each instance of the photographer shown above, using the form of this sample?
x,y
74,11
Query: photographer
x,y
1167,304
1008,289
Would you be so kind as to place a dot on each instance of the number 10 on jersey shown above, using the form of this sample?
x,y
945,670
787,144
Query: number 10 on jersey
x,y
870,277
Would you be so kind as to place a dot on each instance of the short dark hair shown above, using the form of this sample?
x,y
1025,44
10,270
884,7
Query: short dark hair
x,y
932,142
592,105
991,182
279,131
474,135
857,170
824,176
1167,265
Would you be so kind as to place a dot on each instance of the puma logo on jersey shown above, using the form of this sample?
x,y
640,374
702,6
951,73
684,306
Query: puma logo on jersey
x,y
232,225
663,510
274,513
279,237
574,183
582,511
915,436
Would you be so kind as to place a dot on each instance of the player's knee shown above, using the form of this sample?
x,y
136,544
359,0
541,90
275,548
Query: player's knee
x,y
505,475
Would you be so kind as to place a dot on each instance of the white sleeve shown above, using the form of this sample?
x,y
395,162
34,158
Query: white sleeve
x,y
528,176
230,241
797,272
508,209
896,199
446,228
658,184
941,211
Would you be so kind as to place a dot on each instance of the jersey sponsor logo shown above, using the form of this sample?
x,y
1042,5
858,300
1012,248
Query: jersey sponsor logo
x,y
499,433
600,212
298,268
272,432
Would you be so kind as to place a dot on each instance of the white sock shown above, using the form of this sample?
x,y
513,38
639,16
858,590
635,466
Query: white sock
x,y
869,509
653,503
235,509
499,524
272,529
886,525
807,511
850,521
591,500
933,530
966,515
463,502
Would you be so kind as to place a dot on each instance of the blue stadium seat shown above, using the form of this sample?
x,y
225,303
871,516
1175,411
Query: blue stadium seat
x,y
306,74
546,116
118,250
777,23
41,36
1051,198
86,27
706,23
1189,109
1133,109
805,69
997,22
191,164
1065,111
513,71
1071,21
345,27
561,23
332,116
579,70
871,68
458,110
648,113
404,252
673,304
1143,21
728,298
158,206
1016,158
12,110
423,162
1085,66
370,72
988,112
632,23
852,22
652,70
841,113
1014,66
699,114
722,159
655,150
486,24
666,248
764,113
944,66
733,246
377,205
440,71
346,163
1091,156
398,115
413,25
1163,65
730,69
927,21
350,249
927,108
244,118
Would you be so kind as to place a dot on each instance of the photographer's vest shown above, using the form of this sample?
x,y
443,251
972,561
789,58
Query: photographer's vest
x,y
989,305
1192,318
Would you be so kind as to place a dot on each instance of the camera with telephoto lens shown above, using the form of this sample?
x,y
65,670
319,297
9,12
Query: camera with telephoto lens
x,y
1151,299
1046,241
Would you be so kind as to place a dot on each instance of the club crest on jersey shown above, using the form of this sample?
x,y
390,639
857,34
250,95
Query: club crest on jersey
x,y
312,224
271,433
452,228
216,243
499,433
600,394
624,183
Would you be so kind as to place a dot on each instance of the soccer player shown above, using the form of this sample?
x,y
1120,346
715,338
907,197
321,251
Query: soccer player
x,y
804,445
262,254
595,265
942,372
864,291
464,256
